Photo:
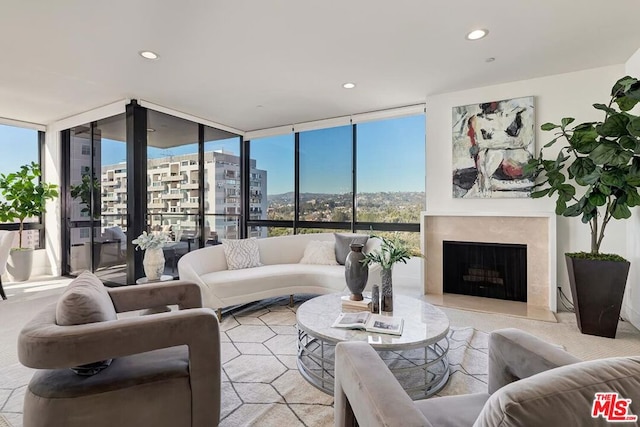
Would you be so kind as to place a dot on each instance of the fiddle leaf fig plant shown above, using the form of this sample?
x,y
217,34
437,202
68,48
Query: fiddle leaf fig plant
x,y
83,191
596,174
25,195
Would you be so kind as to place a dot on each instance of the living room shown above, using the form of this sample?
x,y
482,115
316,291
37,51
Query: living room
x,y
283,73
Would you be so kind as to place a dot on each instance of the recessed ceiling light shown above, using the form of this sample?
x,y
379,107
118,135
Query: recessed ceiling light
x,y
151,130
349,85
477,34
148,54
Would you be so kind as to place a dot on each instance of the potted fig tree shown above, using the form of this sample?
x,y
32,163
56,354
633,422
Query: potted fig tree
x,y
595,176
24,196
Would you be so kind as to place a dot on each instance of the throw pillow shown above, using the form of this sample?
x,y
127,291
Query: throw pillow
x,y
319,252
243,253
343,241
85,300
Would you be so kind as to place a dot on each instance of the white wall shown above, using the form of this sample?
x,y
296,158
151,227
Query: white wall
x,y
631,307
563,95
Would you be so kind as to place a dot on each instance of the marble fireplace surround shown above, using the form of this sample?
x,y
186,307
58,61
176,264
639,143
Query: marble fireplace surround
x,y
536,230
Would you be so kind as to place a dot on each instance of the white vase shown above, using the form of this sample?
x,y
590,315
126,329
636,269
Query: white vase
x,y
153,263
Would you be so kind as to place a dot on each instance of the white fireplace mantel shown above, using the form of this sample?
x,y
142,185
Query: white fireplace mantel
x,y
535,229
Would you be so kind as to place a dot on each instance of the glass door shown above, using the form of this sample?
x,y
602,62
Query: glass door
x,y
97,200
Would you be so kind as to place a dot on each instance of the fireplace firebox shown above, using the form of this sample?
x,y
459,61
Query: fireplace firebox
x,y
491,270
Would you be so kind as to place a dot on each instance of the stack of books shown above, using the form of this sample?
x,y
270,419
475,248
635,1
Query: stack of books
x,y
348,304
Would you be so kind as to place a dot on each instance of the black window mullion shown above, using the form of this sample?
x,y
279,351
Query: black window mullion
x,y
296,184
201,185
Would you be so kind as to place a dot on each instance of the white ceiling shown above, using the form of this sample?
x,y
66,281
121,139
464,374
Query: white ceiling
x,y
220,60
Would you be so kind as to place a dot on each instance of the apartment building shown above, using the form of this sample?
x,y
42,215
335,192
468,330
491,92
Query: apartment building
x,y
173,194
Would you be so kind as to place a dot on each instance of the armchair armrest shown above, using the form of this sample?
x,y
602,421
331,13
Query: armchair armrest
x,y
129,298
515,354
367,391
45,345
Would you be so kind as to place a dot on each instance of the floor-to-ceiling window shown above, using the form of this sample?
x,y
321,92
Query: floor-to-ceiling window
x,y
276,157
178,182
380,161
21,146
172,184
326,184
390,176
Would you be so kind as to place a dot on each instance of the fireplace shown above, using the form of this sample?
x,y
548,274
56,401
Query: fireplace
x,y
535,230
491,270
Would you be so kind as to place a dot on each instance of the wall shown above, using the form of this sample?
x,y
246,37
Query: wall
x,y
557,96
631,307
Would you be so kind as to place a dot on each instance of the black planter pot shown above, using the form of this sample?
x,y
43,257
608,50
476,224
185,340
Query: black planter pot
x,y
597,288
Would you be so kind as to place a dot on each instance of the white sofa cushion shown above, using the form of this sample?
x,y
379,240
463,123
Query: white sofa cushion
x,y
228,284
241,253
319,252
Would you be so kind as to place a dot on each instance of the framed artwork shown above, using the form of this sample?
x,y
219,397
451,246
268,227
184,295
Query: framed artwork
x,y
491,144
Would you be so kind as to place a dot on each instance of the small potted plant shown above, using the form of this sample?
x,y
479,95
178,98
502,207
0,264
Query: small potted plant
x,y
152,244
390,252
25,196
595,176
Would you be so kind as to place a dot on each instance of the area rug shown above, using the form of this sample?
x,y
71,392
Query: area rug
x,y
4,422
261,383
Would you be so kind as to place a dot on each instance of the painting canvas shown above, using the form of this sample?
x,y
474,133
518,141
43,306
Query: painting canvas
x,y
491,144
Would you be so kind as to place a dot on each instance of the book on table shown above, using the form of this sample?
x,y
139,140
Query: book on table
x,y
348,303
370,322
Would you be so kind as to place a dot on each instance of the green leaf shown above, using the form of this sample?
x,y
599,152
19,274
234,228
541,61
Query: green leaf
x,y
620,210
625,103
614,126
604,189
584,140
566,192
628,142
623,85
614,178
604,108
550,143
633,198
549,126
573,210
581,166
561,206
597,199
604,153
541,193
633,127
566,121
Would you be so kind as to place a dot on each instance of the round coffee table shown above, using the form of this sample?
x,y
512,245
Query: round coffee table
x,y
418,358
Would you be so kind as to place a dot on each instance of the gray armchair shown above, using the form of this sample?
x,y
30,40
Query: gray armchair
x,y
165,368
531,383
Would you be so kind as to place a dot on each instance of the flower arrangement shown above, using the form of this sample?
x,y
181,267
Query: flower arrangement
x,y
155,240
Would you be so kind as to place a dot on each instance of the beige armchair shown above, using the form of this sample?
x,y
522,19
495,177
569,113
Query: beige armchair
x,y
165,370
530,383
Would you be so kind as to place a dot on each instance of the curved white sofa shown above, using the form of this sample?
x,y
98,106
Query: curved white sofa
x,y
281,273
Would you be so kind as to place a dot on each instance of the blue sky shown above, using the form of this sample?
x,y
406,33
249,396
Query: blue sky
x,y
390,156
19,147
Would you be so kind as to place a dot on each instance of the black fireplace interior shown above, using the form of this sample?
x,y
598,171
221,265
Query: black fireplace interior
x,y
491,270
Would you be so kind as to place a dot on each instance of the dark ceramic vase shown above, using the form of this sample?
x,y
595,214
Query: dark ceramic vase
x,y
355,272
386,291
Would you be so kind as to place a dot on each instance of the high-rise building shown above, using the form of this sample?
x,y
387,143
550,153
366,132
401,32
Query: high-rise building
x,y
173,194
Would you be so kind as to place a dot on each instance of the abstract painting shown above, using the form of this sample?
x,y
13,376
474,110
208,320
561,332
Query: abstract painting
x,y
491,144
